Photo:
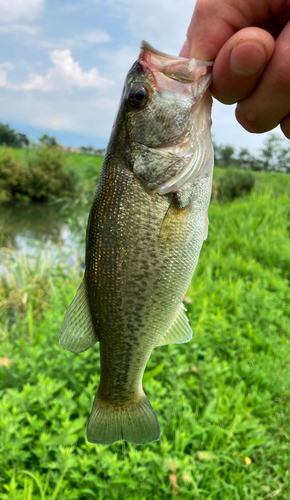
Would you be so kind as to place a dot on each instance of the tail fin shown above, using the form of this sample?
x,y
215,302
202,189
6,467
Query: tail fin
x,y
133,421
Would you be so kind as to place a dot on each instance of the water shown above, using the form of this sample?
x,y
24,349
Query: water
x,y
58,228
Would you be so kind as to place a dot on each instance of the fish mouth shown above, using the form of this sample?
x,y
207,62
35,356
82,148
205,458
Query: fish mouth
x,y
189,79
186,77
176,68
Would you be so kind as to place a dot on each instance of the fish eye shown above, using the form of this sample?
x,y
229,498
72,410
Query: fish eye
x,y
138,96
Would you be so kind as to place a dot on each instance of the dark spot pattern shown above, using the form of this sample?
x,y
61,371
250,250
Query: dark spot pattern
x,y
142,253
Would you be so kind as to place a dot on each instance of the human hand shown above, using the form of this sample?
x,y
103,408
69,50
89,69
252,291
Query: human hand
x,y
250,43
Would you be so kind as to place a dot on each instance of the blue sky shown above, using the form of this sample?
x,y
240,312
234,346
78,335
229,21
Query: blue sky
x,y
62,65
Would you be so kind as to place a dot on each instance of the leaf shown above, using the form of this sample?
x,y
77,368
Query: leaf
x,y
38,482
205,456
173,466
153,373
59,484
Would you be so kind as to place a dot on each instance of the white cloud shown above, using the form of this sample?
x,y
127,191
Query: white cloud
x,y
4,67
118,60
3,78
70,8
53,112
87,113
19,28
7,66
65,74
11,10
163,23
91,112
94,116
96,36
79,40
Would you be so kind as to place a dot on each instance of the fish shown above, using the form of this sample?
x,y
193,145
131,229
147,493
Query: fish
x,y
145,231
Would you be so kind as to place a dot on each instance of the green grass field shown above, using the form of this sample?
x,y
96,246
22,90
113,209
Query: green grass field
x,y
223,400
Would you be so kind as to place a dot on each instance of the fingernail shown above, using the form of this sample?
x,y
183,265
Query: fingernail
x,y
185,50
247,57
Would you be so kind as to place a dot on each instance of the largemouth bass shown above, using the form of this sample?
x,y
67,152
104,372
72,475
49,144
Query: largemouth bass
x,y
145,231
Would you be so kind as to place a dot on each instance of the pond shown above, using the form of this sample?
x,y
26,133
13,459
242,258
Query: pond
x,y
57,228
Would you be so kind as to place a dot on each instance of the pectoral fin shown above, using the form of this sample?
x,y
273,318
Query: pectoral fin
x,y
77,331
154,167
179,331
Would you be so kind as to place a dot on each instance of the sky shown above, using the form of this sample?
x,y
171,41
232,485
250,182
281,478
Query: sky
x,y
63,65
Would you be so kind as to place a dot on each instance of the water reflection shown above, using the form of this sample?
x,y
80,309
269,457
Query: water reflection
x,y
58,227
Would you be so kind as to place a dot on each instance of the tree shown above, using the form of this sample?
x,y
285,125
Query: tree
x,y
244,158
10,138
216,150
7,135
22,140
48,140
276,154
225,155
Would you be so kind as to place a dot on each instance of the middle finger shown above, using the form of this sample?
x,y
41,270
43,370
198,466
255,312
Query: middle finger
x,y
269,103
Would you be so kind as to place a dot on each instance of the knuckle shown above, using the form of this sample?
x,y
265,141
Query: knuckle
x,y
279,68
280,74
250,121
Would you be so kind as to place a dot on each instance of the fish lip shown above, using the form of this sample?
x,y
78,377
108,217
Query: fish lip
x,y
146,46
193,78
177,68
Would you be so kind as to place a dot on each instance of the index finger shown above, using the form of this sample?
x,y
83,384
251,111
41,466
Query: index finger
x,y
215,21
206,33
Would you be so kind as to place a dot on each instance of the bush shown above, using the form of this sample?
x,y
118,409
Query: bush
x,y
46,176
40,177
11,174
232,184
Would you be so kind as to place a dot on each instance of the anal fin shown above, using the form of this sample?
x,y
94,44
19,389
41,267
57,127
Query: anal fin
x,y
77,331
179,330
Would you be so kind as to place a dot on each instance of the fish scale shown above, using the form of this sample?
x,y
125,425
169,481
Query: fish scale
x,y
143,246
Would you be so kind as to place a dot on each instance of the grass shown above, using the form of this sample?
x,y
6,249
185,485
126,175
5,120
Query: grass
x,y
223,400
87,168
